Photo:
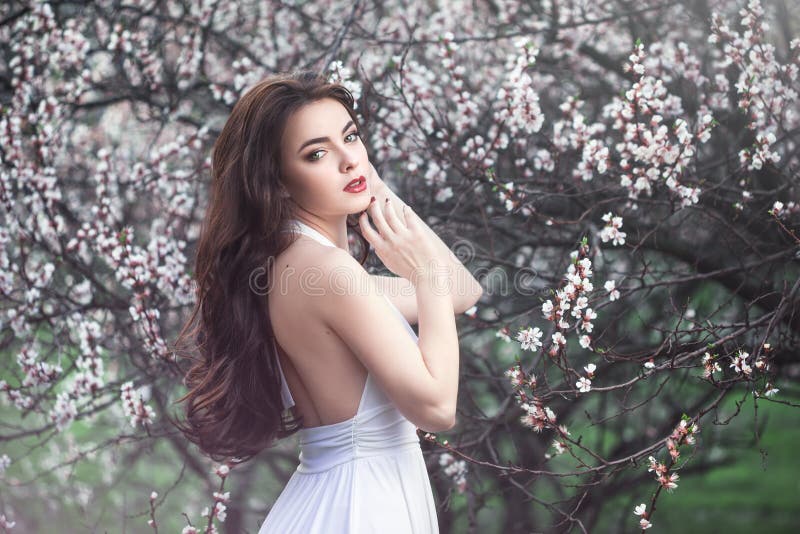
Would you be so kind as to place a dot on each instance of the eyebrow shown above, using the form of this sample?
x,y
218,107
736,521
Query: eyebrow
x,y
323,139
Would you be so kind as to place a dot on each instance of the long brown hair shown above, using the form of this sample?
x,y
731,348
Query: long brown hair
x,y
233,406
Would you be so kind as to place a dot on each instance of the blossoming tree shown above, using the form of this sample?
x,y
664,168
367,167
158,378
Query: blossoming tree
x,y
622,180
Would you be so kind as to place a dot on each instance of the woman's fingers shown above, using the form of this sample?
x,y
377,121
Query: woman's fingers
x,y
409,217
395,222
367,231
379,220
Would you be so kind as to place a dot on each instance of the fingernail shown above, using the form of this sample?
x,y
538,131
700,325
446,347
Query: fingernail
x,y
372,200
387,200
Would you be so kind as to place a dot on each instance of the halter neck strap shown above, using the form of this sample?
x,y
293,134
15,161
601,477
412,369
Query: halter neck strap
x,y
305,229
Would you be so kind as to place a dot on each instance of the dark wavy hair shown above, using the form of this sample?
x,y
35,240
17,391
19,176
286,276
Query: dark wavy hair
x,y
233,405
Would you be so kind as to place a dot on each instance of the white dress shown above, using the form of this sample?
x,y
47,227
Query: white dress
x,y
363,475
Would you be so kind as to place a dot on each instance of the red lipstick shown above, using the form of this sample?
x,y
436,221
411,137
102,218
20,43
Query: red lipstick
x,y
357,186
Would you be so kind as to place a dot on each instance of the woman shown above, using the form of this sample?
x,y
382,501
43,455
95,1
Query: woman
x,y
289,319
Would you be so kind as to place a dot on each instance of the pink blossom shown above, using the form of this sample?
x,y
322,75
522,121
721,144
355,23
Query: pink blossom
x,y
584,385
503,334
6,523
515,375
739,363
537,417
559,339
710,365
669,482
529,338
222,470
134,407
613,293
611,231
64,411
455,469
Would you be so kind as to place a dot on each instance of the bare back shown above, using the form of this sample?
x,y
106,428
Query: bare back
x,y
325,378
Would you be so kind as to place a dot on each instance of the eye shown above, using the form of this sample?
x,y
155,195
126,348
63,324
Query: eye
x,y
311,155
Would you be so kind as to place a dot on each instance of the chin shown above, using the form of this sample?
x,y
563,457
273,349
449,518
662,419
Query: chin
x,y
362,199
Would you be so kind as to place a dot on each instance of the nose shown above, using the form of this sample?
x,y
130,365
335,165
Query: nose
x,y
349,160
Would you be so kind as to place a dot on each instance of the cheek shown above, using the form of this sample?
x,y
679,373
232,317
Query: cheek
x,y
316,182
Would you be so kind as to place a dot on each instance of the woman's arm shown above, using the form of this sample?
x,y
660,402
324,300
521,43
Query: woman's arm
x,y
465,290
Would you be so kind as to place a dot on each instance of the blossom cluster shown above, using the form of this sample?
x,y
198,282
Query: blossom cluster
x,y
611,231
766,89
134,407
710,365
537,416
221,501
584,383
64,411
780,210
740,362
748,368
611,287
518,378
571,300
519,109
132,48
570,297
648,153
530,338
465,114
506,193
36,372
559,446
684,433
455,469
668,481
641,510
571,132
219,508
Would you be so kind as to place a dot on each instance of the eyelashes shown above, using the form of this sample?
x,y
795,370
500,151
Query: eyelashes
x,y
311,157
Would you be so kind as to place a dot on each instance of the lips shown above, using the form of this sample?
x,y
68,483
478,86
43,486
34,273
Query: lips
x,y
357,185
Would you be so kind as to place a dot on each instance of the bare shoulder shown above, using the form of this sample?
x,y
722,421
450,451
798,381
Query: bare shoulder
x,y
351,304
309,277
303,262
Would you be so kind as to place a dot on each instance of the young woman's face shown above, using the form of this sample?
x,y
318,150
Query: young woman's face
x,y
321,153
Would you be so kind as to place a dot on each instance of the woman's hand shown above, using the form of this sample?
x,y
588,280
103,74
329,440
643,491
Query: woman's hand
x,y
374,183
443,257
401,243
381,192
